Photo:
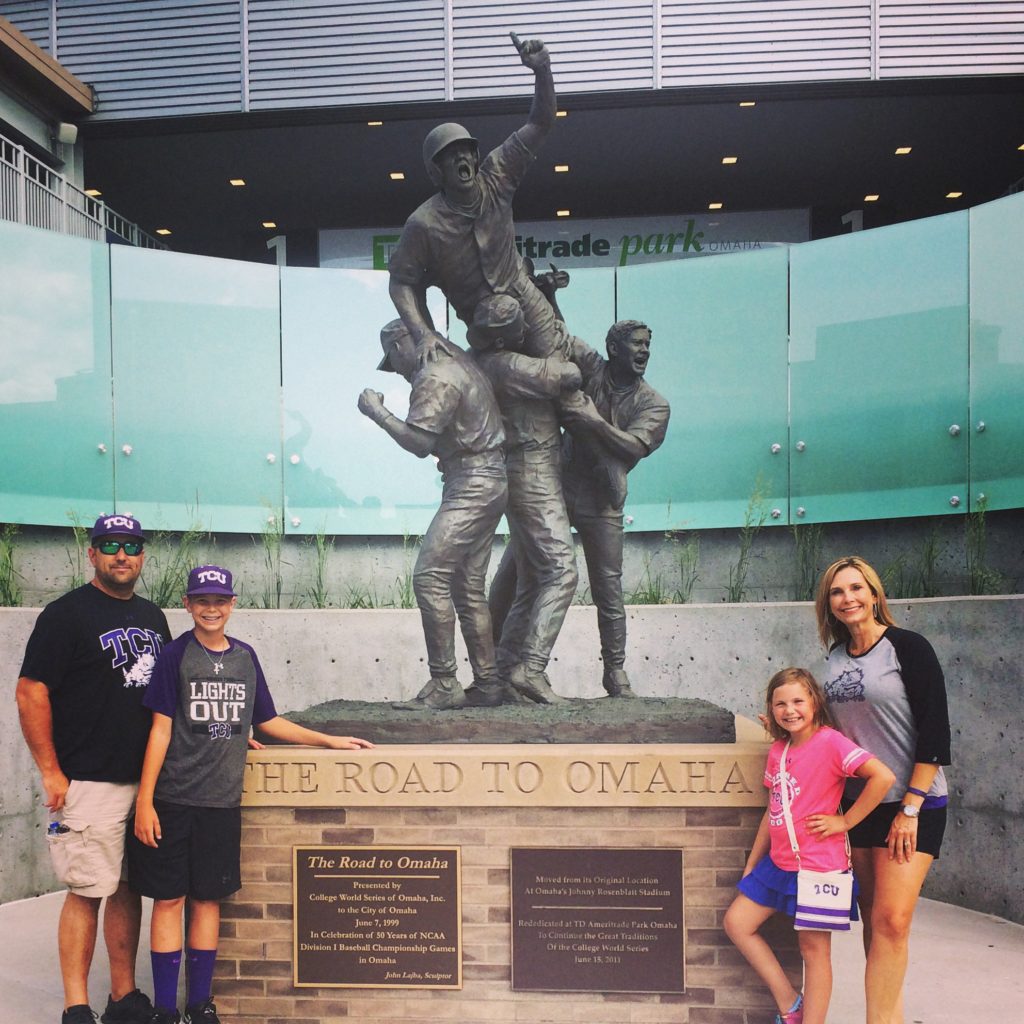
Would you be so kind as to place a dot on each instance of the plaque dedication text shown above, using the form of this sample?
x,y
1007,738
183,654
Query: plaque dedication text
x,y
377,917
597,920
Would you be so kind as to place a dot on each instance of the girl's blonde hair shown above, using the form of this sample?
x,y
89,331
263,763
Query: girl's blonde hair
x,y
830,629
822,715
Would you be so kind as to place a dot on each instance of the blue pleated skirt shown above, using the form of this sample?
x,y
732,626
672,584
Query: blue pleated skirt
x,y
771,886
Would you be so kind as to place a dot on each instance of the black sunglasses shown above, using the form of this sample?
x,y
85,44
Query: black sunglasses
x,y
111,547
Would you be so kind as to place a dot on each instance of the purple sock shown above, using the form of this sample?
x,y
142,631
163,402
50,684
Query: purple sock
x,y
200,975
165,980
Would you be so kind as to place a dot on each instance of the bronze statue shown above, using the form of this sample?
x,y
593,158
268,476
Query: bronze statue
x,y
454,416
463,238
540,539
619,420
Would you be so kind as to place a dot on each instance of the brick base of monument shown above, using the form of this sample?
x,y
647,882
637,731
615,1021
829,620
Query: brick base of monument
x,y
254,980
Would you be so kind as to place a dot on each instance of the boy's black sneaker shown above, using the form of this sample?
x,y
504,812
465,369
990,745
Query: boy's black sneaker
x,y
80,1013
163,1017
201,1013
134,1008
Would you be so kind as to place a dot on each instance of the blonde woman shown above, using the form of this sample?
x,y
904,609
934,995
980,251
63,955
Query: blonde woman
x,y
886,691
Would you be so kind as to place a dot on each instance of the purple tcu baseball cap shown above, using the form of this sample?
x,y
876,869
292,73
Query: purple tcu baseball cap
x,y
121,525
209,579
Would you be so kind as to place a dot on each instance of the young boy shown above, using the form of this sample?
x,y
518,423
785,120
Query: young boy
x,y
206,690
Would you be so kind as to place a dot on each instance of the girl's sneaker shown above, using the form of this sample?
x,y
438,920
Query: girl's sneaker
x,y
794,1016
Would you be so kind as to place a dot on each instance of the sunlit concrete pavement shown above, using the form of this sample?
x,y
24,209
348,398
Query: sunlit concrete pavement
x,y
964,966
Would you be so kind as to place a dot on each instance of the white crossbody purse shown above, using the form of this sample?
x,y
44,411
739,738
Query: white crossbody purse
x,y
823,898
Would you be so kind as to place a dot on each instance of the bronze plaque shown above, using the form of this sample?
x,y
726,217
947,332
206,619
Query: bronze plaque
x,y
608,920
377,916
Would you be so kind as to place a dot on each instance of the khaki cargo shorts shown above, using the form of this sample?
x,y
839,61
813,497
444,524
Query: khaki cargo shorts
x,y
87,848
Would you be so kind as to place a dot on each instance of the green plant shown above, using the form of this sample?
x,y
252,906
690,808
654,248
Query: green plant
x,y
169,557
405,597
807,539
981,579
77,558
650,589
753,520
905,579
272,542
687,558
10,592
317,591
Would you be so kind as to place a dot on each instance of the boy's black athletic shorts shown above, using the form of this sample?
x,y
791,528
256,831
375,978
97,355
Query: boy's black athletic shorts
x,y
198,854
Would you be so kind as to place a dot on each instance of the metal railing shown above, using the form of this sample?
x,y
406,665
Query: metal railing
x,y
34,194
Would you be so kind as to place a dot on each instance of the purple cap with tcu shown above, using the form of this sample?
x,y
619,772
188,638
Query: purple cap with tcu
x,y
209,579
120,525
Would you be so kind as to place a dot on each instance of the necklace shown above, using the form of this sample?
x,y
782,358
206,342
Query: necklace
x,y
216,663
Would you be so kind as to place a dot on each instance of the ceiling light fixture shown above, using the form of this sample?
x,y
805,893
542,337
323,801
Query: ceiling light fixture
x,y
748,103
374,124
729,159
163,231
562,213
237,182
953,195
397,175
561,168
871,199
269,224
715,206
94,192
561,113
903,150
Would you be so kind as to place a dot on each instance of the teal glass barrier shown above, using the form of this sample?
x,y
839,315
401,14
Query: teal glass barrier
x,y
878,371
718,354
196,357
56,465
997,354
343,473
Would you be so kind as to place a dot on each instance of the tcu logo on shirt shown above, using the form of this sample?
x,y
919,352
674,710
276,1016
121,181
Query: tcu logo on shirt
x,y
126,521
212,576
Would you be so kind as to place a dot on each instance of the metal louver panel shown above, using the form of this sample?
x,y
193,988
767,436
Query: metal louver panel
x,y
153,59
731,42
332,52
595,45
949,38
31,17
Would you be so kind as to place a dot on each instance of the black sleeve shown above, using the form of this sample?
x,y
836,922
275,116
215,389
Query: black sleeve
x,y
926,692
47,652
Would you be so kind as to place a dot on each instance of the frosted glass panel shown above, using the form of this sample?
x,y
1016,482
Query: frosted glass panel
x,y
718,354
342,473
879,372
196,353
997,354
55,412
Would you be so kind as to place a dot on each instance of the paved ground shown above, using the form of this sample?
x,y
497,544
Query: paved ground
x,y
963,967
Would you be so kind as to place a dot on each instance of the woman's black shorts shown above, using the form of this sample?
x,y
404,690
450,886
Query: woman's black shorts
x,y
874,829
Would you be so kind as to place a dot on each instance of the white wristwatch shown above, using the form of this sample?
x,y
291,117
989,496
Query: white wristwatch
x,y
910,811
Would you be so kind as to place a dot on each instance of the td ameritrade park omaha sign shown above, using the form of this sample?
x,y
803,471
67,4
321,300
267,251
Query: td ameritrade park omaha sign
x,y
537,775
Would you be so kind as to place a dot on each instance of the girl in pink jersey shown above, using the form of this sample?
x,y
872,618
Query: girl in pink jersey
x,y
819,761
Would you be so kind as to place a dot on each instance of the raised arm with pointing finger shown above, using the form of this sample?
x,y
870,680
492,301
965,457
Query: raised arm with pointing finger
x,y
462,239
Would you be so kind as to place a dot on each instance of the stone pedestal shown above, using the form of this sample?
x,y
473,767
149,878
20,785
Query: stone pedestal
x,y
705,799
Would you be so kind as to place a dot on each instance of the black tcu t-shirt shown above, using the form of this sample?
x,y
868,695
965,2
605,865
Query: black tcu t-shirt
x,y
95,654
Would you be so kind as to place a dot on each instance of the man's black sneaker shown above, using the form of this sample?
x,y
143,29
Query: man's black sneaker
x,y
201,1013
134,1008
81,1013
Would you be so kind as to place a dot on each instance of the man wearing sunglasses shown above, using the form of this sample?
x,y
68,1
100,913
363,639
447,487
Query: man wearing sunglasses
x,y
79,697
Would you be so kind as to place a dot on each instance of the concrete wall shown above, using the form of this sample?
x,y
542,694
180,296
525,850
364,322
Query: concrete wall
x,y
722,653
